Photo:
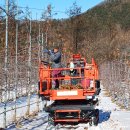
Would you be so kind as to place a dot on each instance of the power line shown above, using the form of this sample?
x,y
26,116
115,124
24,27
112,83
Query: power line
x,y
42,9
31,8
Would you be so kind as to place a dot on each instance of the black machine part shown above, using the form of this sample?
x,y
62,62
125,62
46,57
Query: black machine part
x,y
97,83
85,115
71,105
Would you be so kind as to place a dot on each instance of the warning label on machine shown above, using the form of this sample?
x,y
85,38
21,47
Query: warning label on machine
x,y
67,93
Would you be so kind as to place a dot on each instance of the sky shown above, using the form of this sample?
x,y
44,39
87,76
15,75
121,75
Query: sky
x,y
59,6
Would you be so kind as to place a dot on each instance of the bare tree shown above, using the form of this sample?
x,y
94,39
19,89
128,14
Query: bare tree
x,y
46,16
74,13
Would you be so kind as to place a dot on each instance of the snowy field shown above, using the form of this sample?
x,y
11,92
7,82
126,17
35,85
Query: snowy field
x,y
111,118
22,109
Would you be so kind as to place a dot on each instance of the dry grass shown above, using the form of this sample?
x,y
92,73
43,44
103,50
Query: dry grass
x,y
86,128
107,94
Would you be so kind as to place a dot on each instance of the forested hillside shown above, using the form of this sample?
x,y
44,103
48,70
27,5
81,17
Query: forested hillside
x,y
103,31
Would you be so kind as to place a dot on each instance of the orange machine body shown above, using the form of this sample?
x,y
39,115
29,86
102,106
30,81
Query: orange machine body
x,y
85,73
90,72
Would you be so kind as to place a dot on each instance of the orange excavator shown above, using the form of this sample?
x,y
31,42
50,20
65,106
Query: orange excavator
x,y
76,98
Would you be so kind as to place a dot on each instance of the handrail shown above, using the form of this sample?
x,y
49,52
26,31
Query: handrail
x,y
63,68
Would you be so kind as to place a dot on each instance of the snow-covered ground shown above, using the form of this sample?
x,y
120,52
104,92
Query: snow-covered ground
x,y
111,118
21,104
